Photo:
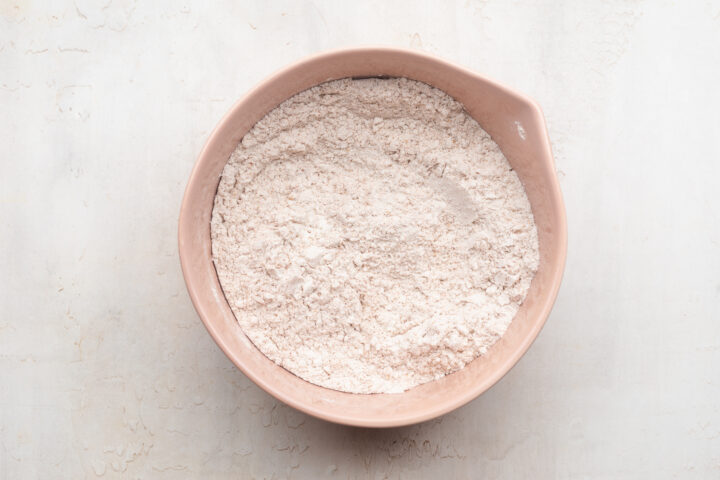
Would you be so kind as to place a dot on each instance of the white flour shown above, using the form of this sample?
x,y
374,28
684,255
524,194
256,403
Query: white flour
x,y
370,236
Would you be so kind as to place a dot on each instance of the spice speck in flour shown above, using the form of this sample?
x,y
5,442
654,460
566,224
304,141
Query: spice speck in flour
x,y
370,236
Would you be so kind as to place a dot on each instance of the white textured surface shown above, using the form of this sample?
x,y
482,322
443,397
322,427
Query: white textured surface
x,y
105,369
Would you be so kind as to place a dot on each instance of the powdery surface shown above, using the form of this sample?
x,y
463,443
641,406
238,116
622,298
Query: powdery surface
x,y
370,236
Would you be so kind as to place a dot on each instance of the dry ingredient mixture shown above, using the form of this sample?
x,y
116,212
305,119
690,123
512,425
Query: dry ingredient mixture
x,y
370,236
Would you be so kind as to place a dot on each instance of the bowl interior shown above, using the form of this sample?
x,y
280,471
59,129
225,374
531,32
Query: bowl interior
x,y
512,120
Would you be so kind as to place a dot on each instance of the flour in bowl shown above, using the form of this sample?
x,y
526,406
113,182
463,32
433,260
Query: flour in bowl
x,y
370,236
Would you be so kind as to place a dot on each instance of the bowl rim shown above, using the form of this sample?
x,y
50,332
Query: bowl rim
x,y
432,411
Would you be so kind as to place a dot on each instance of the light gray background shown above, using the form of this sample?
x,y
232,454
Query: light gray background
x,y
106,370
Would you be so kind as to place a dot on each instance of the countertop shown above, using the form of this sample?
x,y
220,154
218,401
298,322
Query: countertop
x,y
105,368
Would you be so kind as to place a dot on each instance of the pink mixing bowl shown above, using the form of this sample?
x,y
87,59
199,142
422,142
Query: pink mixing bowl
x,y
514,121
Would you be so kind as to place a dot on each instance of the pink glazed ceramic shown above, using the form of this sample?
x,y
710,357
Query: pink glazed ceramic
x,y
514,121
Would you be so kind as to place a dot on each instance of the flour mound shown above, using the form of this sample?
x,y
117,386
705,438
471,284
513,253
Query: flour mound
x,y
370,236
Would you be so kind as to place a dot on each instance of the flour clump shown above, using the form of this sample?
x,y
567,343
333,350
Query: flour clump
x,y
369,236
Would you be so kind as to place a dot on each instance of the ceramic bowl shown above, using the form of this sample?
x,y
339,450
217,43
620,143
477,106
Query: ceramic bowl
x,y
514,121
